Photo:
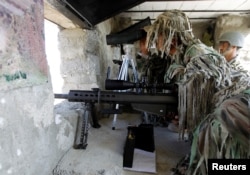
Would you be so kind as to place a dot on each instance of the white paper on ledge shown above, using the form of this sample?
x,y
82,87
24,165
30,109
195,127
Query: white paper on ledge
x,y
143,161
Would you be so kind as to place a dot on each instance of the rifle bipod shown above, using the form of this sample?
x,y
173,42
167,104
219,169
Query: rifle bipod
x,y
83,125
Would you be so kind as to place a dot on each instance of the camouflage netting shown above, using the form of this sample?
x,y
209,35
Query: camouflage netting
x,y
221,124
205,81
172,24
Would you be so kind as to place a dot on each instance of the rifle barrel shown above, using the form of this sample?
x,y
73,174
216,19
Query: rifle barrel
x,y
117,97
63,96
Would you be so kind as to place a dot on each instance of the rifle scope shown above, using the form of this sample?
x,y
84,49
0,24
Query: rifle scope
x,y
124,85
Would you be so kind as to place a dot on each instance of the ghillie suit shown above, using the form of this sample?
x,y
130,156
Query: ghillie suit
x,y
205,81
154,68
207,110
152,71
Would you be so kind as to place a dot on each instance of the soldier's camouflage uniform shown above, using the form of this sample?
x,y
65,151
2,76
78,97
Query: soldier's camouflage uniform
x,y
215,106
214,96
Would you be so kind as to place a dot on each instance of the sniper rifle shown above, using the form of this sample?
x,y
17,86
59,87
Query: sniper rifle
x,y
154,102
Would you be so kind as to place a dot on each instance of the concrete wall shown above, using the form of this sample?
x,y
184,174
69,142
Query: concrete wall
x,y
85,56
31,141
34,134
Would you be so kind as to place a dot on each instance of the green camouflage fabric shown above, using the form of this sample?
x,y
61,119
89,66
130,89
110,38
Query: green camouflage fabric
x,y
154,68
170,25
222,134
238,71
214,105
214,96
203,73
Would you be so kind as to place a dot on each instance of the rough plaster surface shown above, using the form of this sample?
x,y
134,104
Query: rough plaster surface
x,y
31,142
66,115
86,57
33,136
77,61
23,61
27,130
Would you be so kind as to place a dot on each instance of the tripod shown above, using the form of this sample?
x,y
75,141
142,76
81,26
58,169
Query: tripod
x,y
127,62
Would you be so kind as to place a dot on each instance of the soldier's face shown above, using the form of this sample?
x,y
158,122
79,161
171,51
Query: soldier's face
x,y
143,47
160,45
225,49
173,47
160,42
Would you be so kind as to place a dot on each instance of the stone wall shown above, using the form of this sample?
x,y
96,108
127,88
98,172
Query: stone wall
x,y
31,141
85,56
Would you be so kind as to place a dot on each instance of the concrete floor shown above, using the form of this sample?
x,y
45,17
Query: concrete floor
x,y
104,153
